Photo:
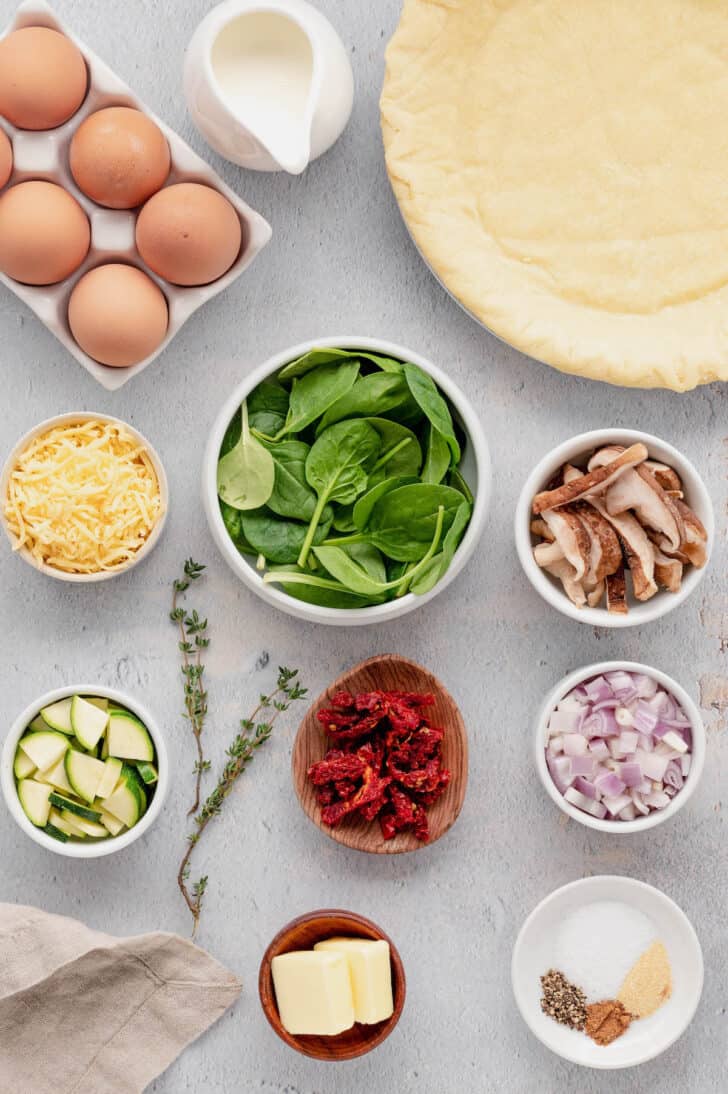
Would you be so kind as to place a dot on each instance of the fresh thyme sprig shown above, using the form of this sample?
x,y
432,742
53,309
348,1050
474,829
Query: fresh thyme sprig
x,y
192,641
254,732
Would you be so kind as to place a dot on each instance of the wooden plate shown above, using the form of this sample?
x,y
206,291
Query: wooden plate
x,y
302,934
387,672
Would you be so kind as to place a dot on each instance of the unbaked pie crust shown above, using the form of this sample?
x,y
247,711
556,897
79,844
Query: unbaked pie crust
x,y
563,167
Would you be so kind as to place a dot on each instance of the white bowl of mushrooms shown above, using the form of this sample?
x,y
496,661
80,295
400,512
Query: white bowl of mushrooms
x,y
614,528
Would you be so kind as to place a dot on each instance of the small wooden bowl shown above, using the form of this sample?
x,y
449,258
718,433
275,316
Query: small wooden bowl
x,y
387,672
302,934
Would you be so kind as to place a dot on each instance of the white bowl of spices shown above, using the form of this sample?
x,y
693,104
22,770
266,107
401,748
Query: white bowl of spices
x,y
619,746
607,972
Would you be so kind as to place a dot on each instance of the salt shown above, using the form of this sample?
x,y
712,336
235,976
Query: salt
x,y
597,945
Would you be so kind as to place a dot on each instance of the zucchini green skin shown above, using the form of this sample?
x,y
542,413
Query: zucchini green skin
x,y
51,830
70,806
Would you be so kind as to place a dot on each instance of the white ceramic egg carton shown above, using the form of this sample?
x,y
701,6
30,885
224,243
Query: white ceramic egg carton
x,y
45,156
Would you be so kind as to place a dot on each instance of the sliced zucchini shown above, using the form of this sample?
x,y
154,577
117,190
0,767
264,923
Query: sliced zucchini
x,y
88,721
84,774
112,824
23,766
89,828
56,777
110,777
34,798
60,801
126,803
58,716
51,830
128,738
148,773
105,747
37,725
63,822
97,701
45,748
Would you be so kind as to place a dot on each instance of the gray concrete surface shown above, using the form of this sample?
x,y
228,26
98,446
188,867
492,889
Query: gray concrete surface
x,y
341,262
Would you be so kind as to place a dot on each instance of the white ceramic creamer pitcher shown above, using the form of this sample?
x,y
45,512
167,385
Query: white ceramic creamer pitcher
x,y
268,84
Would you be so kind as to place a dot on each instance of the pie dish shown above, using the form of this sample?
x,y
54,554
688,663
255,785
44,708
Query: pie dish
x,y
561,167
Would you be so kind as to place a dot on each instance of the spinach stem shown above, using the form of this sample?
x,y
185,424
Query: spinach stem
x,y
320,506
342,541
392,452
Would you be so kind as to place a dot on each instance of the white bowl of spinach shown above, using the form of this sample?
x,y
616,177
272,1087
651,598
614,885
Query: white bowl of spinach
x,y
347,481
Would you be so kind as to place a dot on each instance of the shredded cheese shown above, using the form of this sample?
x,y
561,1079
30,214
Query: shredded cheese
x,y
83,498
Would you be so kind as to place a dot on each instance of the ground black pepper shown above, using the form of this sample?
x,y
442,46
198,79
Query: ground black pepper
x,y
563,1001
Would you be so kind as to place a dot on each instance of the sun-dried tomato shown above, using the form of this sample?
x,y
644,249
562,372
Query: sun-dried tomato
x,y
386,761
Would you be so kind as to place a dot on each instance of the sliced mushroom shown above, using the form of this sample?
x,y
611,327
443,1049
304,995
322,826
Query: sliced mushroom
x,y
606,552
637,546
593,482
546,553
639,490
564,571
668,571
695,545
594,597
617,592
605,455
571,536
540,528
667,477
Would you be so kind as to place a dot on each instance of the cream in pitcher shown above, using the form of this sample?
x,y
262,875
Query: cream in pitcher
x,y
270,85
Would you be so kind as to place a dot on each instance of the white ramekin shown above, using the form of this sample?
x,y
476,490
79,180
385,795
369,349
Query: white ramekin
x,y
533,954
477,474
92,848
67,419
574,451
641,824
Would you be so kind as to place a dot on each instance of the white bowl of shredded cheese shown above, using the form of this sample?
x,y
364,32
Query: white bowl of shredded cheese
x,y
83,497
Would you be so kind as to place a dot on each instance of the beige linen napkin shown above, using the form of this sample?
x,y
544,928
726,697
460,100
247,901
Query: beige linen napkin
x,y
82,1012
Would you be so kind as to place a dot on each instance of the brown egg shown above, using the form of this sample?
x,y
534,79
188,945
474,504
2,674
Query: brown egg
x,y
188,234
6,158
119,157
118,315
44,233
43,78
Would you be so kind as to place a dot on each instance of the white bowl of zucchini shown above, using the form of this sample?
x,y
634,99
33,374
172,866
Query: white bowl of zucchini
x,y
347,480
84,771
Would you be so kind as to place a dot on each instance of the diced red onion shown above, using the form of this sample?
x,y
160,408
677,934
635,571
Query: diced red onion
x,y
616,805
586,788
597,809
574,744
631,774
565,721
619,746
583,765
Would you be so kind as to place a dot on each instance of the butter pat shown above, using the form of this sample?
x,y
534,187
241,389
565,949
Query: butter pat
x,y
313,992
371,975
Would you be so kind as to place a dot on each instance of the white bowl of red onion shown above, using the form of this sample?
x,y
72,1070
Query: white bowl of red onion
x,y
620,746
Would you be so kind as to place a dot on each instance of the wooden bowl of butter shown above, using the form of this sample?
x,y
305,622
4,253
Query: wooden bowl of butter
x,y
332,985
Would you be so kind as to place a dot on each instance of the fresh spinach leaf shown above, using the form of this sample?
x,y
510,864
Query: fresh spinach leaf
x,y
337,468
345,567
246,474
316,357
396,457
431,403
438,566
437,457
268,407
364,505
279,541
315,590
292,496
457,482
371,395
231,518
402,523
369,558
314,393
